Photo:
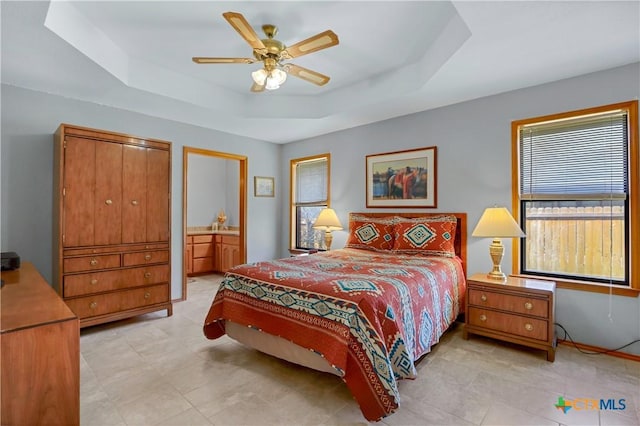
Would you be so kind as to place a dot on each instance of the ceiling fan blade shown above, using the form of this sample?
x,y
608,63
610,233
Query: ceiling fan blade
x,y
307,74
312,44
243,28
256,88
204,60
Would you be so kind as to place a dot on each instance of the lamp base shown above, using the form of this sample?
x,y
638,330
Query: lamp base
x,y
496,251
328,238
497,276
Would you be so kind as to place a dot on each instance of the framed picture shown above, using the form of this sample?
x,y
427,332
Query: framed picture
x,y
402,179
263,186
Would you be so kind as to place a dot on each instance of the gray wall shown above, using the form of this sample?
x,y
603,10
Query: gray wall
x,y
29,120
474,172
212,185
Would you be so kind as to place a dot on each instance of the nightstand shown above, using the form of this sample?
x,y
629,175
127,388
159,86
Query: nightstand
x,y
519,310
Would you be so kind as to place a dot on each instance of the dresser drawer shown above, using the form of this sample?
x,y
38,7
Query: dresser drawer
x,y
101,304
508,323
230,239
91,263
508,302
202,250
144,258
204,264
98,282
202,238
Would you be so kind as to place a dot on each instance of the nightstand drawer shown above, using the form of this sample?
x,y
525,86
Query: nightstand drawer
x,y
508,323
506,302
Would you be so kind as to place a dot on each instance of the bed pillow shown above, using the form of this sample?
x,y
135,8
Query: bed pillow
x,y
433,236
370,233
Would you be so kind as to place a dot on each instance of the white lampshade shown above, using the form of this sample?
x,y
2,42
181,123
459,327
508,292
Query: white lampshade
x,y
327,221
497,222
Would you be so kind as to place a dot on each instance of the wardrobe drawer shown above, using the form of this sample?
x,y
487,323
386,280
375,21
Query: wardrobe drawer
x,y
144,258
98,282
91,263
101,304
508,302
508,323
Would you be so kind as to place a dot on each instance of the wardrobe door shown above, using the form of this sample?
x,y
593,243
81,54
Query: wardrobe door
x,y
108,193
78,192
157,215
134,199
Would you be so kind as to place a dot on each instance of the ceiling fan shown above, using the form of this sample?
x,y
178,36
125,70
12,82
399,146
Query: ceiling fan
x,y
272,53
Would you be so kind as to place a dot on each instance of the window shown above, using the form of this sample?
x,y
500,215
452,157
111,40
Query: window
x,y
309,195
577,195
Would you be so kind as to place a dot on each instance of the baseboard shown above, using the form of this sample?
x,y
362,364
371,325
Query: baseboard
x,y
590,348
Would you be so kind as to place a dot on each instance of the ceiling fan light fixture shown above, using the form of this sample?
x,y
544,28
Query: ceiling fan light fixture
x,y
271,80
275,78
259,76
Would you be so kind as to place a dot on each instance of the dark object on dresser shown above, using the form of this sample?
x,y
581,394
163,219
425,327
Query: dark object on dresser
x,y
10,261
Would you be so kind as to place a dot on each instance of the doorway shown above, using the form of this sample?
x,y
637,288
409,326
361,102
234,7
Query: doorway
x,y
239,163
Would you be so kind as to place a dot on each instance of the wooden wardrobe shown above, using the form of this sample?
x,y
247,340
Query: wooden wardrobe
x,y
112,222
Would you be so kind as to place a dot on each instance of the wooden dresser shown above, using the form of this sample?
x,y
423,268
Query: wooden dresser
x,y
211,252
112,223
40,343
519,310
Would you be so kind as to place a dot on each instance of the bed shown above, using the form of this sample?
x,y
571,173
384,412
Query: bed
x,y
366,312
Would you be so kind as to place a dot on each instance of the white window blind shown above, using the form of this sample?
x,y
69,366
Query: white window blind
x,y
578,158
311,182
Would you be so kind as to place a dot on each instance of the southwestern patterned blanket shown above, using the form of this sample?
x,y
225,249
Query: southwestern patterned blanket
x,y
371,315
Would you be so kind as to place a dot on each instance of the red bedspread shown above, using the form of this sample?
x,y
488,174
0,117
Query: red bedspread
x,y
371,315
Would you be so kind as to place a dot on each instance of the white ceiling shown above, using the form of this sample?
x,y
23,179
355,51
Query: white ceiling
x,y
394,58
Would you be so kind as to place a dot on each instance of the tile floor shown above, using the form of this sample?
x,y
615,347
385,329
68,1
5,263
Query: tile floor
x,y
158,370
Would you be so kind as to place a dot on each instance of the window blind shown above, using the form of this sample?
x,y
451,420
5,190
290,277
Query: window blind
x,y
575,159
311,182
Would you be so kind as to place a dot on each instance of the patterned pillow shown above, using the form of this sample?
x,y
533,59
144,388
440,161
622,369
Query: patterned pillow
x,y
370,233
432,236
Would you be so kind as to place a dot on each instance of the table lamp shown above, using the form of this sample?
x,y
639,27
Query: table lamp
x,y
496,223
328,221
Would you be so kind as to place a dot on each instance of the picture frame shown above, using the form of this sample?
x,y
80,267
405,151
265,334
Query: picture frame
x,y
402,179
263,186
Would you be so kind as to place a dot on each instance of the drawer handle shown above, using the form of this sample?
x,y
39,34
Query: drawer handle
x,y
528,306
108,202
147,257
134,202
94,281
483,317
147,295
93,305
93,262
528,327
483,298
147,274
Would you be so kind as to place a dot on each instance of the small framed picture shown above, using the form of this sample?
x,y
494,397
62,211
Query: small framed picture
x,y
402,179
263,186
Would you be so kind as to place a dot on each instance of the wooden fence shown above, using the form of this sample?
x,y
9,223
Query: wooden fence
x,y
583,241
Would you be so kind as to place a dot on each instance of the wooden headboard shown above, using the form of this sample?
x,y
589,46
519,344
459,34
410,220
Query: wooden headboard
x,y
460,243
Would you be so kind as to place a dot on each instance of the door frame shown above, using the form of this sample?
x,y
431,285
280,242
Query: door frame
x,y
186,150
